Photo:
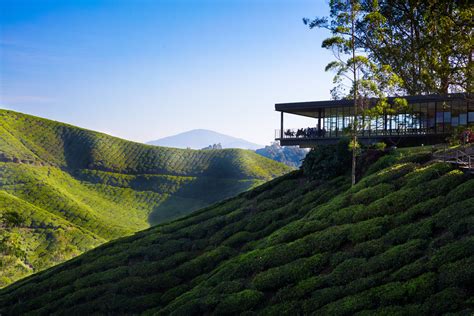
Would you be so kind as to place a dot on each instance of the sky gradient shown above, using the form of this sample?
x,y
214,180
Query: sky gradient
x,y
145,69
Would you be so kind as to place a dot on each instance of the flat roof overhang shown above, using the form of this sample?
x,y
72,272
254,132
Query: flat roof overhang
x,y
308,108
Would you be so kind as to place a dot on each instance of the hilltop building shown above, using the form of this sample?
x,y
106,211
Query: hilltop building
x,y
429,119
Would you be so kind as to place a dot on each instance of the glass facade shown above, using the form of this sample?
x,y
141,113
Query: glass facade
x,y
419,119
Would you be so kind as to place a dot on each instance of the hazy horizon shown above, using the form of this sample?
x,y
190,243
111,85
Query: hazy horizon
x,y
144,70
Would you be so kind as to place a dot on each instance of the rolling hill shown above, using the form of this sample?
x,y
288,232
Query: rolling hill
x,y
201,138
65,190
400,242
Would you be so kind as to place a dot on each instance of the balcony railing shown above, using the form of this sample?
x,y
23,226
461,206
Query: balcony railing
x,y
314,133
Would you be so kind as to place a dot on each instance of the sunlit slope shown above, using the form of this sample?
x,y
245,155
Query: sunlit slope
x,y
74,189
34,140
399,242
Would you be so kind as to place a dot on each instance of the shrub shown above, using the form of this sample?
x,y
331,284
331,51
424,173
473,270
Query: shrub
x,y
459,273
347,271
238,239
289,308
461,192
418,230
366,159
203,263
347,305
396,202
380,146
384,162
239,302
420,210
409,309
453,251
289,273
345,215
369,248
368,195
421,287
386,175
228,287
301,289
367,230
425,174
328,161
397,256
390,294
449,299
12,219
419,158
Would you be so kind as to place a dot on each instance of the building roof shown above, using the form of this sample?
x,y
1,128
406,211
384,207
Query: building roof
x,y
312,105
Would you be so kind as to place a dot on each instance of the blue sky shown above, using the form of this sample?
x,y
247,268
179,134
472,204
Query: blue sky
x,y
145,69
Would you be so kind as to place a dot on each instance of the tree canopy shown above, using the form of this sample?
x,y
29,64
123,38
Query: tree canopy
x,y
427,44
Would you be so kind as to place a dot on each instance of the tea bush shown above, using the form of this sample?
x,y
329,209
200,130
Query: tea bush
x,y
398,242
65,190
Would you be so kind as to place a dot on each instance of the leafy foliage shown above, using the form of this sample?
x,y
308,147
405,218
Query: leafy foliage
x,y
328,161
398,242
427,44
292,156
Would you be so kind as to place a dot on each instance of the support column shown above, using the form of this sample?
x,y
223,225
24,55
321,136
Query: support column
x,y
281,125
319,120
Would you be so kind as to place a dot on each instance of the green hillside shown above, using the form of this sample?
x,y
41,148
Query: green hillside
x,y
65,190
400,242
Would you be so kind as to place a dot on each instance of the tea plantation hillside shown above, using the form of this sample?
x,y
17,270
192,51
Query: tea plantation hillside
x,y
65,190
399,242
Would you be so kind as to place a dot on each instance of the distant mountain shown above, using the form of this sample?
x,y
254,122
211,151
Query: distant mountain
x,y
290,156
201,138
65,190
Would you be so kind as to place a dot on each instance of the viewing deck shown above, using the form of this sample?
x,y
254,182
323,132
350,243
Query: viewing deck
x,y
428,120
410,137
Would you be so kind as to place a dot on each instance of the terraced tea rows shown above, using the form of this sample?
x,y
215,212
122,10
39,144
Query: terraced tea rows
x,y
399,242
65,190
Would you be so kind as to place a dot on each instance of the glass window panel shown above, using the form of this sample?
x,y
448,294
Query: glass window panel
x,y
423,116
439,117
447,122
340,119
455,121
455,112
447,117
471,116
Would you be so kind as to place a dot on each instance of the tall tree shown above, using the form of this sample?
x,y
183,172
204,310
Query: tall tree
x,y
428,43
356,76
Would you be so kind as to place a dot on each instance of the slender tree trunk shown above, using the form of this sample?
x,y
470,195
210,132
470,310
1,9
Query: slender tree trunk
x,y
355,125
470,72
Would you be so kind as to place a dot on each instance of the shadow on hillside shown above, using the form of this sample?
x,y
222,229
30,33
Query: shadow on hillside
x,y
77,149
197,194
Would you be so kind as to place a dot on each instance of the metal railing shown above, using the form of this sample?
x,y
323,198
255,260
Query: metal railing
x,y
457,157
315,133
